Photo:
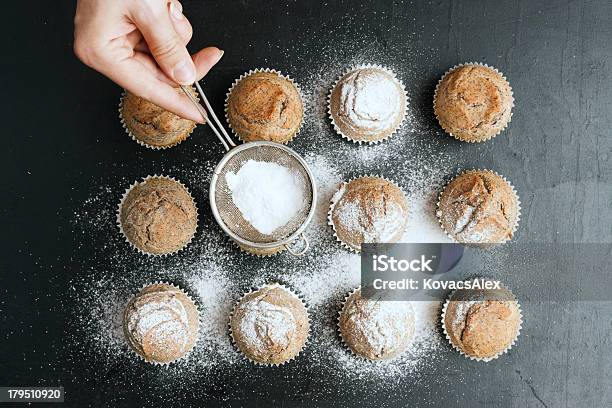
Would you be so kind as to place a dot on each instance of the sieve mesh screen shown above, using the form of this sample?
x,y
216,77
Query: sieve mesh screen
x,y
231,216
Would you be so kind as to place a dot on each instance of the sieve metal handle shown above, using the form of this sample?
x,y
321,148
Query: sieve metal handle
x,y
220,133
304,249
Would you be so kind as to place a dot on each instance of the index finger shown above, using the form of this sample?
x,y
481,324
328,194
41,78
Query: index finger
x,y
138,79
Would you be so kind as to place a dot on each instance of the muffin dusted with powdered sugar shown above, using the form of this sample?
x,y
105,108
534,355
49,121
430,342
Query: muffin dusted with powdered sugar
x,y
367,104
479,207
368,210
270,325
374,328
161,323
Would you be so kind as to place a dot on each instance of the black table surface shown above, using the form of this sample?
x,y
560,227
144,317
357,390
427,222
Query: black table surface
x,y
64,139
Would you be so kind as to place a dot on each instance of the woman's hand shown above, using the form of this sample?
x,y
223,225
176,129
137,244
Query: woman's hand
x,y
141,45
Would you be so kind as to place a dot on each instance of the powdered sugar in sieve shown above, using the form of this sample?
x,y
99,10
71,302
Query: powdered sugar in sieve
x,y
231,218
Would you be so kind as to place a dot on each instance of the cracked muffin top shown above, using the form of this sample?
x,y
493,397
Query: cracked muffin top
x,y
265,106
479,207
473,103
482,323
369,210
376,329
161,323
270,325
152,125
158,216
367,104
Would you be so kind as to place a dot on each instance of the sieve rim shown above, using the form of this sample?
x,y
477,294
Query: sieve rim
x,y
213,188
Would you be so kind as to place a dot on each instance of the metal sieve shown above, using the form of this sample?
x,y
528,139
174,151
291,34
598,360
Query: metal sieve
x,y
229,217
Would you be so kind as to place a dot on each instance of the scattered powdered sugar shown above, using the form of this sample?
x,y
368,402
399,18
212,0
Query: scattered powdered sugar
x,y
370,99
267,194
215,274
423,226
215,295
264,324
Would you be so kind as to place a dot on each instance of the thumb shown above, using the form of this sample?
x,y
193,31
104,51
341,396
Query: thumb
x,y
165,45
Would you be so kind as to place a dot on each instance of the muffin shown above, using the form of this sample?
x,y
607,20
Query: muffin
x,y
479,207
367,104
158,216
473,102
264,105
161,323
152,126
376,329
368,210
480,323
270,325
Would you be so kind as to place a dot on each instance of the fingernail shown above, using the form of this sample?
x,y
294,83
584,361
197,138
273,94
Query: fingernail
x,y
184,73
177,11
221,52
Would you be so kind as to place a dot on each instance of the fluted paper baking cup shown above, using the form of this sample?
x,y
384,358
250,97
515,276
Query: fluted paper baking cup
x,y
143,143
187,352
458,137
268,70
338,195
271,286
476,358
384,135
479,244
122,201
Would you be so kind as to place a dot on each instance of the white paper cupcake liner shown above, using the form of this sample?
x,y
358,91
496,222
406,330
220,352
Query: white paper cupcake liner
x,y
484,244
188,352
141,142
457,348
255,71
123,198
337,196
436,95
289,291
337,127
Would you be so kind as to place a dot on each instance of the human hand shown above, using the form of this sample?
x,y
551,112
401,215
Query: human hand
x,y
141,45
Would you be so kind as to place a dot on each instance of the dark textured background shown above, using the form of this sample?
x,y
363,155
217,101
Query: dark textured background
x,y
62,135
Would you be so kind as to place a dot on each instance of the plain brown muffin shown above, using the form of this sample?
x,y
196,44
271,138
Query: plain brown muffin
x,y
270,325
161,323
152,125
479,207
473,103
482,324
265,106
369,210
367,104
158,216
376,329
